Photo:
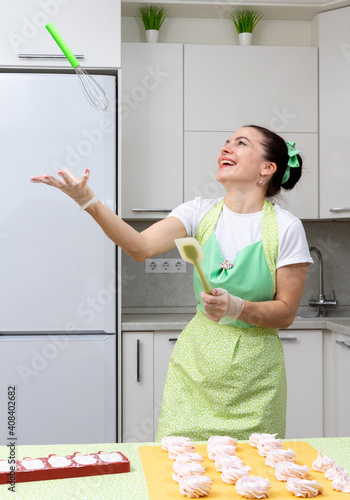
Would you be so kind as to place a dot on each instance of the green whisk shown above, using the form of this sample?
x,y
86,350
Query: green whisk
x,y
92,90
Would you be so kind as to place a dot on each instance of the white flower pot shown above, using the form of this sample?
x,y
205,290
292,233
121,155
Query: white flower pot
x,y
245,38
152,36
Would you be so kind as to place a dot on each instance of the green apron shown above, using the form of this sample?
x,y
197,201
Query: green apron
x,y
228,379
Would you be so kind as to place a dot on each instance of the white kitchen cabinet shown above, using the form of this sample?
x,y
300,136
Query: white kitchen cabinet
x,y
91,29
145,363
304,368
137,387
334,77
340,397
152,129
201,150
226,87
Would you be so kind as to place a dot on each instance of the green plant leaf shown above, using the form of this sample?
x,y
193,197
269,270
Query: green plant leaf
x,y
245,20
152,16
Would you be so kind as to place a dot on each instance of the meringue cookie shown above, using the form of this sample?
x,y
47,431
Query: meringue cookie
x,y
195,486
177,440
303,487
231,474
220,449
4,466
189,458
286,470
321,464
84,459
341,483
32,464
255,437
253,487
273,457
222,440
175,449
265,445
189,469
58,462
335,471
222,459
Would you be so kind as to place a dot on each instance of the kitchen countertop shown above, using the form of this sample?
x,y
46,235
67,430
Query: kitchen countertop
x,y
126,486
178,321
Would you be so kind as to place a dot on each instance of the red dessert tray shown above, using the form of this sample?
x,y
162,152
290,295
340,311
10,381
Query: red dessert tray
x,y
76,465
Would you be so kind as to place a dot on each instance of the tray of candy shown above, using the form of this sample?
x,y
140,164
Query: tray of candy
x,y
61,467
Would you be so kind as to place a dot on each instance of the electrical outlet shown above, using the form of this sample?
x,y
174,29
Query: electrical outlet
x,y
165,266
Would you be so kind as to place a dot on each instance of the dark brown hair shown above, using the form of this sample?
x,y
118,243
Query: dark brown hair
x,y
276,151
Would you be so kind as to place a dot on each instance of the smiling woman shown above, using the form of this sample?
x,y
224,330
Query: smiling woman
x,y
226,378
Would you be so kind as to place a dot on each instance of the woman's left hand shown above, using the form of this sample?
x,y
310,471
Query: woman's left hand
x,y
220,303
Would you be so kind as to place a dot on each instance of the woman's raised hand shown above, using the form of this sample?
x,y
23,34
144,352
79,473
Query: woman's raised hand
x,y
71,185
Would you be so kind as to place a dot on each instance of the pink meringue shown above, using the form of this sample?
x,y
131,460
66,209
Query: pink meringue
x,y
255,438
220,449
304,487
273,457
321,464
176,440
189,458
195,486
189,469
265,445
222,440
286,470
231,474
341,483
253,487
174,450
335,471
222,459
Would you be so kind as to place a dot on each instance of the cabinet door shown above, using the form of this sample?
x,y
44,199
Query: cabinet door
x,y
152,129
226,87
163,347
303,358
334,57
201,150
91,29
341,388
137,387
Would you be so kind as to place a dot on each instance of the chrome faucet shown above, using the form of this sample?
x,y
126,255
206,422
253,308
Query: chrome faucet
x,y
321,302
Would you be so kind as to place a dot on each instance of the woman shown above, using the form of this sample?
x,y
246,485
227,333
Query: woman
x,y
226,374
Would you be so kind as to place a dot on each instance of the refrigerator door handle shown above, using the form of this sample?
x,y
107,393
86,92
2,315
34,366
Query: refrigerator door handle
x,y
47,56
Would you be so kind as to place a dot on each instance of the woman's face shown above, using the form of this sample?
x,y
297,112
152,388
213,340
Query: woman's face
x,y
241,158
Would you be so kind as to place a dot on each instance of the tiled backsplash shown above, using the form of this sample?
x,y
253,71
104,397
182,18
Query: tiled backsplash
x,y
155,293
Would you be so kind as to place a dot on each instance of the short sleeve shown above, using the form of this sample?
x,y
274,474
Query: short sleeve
x,y
185,213
293,246
192,212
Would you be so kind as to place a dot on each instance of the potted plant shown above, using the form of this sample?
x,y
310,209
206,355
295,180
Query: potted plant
x,y
152,18
245,21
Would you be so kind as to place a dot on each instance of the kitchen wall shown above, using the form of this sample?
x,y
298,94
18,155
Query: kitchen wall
x,y
147,293
222,31
166,293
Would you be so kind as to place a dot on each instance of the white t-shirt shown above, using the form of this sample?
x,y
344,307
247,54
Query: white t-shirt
x,y
236,231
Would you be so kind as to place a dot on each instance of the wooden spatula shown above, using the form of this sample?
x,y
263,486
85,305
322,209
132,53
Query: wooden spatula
x,y
191,251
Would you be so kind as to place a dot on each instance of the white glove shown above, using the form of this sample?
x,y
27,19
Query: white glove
x,y
220,304
74,187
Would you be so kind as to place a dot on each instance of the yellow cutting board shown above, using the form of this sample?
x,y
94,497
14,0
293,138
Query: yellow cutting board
x,y
158,469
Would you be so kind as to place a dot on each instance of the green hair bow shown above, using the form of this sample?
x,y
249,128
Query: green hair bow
x,y
293,161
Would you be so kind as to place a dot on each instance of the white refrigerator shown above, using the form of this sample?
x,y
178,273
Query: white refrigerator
x,y
58,279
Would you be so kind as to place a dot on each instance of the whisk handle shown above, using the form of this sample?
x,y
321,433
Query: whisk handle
x,y
62,45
